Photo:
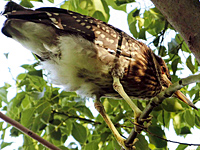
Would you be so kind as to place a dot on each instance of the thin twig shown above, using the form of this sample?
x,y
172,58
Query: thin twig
x,y
77,117
28,132
171,140
146,130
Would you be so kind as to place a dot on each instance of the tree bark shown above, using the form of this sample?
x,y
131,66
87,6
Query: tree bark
x,y
184,16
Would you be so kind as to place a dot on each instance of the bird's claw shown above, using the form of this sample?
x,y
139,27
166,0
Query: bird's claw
x,y
139,123
122,142
148,119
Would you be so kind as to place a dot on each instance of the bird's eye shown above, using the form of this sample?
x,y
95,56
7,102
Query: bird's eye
x,y
163,70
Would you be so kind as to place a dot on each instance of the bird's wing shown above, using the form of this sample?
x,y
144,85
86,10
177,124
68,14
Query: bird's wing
x,y
68,22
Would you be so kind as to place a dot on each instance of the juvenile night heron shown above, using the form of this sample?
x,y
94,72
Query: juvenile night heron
x,y
89,56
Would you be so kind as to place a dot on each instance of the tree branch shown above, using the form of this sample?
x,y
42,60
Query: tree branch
x,y
77,117
171,140
183,15
155,101
28,132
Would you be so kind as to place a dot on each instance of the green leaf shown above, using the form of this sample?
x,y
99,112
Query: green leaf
x,y
44,108
107,106
104,136
115,144
159,26
147,19
156,41
67,129
63,148
115,6
17,100
92,146
29,143
21,76
36,73
109,146
142,144
4,144
131,15
3,95
113,102
175,65
132,28
177,123
86,111
51,1
185,130
1,124
97,9
76,6
37,124
26,102
6,55
136,12
162,51
14,132
99,15
37,0
79,132
159,143
198,148
122,2
172,105
197,121
181,147
164,118
55,134
46,113
197,113
173,47
189,117
190,65
142,34
140,22
27,117
184,46
26,3
156,13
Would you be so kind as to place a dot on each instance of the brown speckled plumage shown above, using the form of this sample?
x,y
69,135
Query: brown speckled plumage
x,y
134,64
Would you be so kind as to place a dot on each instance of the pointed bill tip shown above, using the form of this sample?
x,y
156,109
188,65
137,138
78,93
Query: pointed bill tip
x,y
183,98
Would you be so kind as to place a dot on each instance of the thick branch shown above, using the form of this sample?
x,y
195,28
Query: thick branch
x,y
28,132
155,101
183,15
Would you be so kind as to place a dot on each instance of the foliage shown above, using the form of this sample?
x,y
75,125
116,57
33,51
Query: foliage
x,y
55,114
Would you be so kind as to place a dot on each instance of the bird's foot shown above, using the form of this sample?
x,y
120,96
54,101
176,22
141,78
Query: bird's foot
x,y
148,119
122,142
141,124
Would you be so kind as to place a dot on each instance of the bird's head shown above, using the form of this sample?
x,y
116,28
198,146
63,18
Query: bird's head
x,y
165,79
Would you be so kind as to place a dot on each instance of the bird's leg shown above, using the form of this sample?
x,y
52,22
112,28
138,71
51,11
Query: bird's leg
x,y
137,112
100,108
119,88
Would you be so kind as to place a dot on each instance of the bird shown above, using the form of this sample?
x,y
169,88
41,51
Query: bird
x,y
89,56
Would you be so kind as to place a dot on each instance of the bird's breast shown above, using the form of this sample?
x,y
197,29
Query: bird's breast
x,y
82,66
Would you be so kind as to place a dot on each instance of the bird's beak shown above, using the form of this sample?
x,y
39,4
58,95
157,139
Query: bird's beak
x,y
179,94
183,98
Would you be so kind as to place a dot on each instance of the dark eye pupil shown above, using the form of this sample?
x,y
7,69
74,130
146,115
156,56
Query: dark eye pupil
x,y
164,69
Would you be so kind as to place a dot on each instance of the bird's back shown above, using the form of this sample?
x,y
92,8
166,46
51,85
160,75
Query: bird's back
x,y
82,53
